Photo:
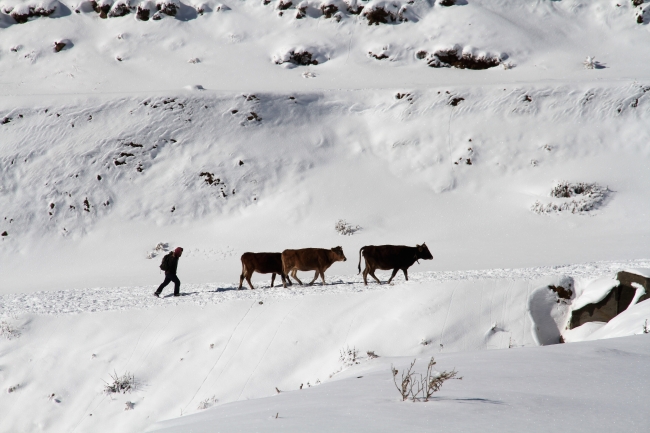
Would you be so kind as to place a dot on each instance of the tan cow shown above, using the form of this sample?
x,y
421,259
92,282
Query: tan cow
x,y
310,259
263,263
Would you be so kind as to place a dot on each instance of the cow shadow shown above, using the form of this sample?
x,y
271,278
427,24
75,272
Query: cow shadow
x,y
468,400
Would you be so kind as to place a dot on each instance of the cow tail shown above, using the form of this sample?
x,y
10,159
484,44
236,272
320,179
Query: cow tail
x,y
360,259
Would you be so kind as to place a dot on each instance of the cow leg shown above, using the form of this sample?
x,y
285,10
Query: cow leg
x,y
315,277
286,280
365,276
406,274
241,281
248,279
393,275
322,277
372,274
294,274
272,278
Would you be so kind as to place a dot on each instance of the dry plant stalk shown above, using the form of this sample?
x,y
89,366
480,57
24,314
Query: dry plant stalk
x,y
421,387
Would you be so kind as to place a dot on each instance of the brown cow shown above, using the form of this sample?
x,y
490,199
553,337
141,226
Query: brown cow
x,y
263,263
310,259
395,257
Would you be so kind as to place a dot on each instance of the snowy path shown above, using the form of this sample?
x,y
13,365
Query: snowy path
x,y
128,298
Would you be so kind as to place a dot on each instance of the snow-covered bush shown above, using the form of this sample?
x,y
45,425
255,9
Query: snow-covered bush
x,y
24,11
346,229
354,7
120,384
421,386
381,12
8,331
144,10
168,7
461,58
102,7
120,8
573,197
293,57
329,7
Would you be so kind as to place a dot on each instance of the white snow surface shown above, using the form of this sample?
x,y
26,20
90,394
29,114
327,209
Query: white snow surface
x,y
182,131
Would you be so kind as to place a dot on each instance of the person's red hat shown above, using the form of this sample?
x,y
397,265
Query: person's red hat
x,y
178,251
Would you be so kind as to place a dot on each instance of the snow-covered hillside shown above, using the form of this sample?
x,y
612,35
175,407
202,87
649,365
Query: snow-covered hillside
x,y
509,135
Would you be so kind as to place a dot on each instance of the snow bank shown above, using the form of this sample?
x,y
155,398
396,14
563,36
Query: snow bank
x,y
594,292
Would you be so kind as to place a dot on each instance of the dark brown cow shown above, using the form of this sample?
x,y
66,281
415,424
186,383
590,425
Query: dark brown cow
x,y
310,259
395,257
263,263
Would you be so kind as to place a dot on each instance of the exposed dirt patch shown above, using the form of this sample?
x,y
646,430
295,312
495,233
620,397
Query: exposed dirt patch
x,y
446,2
455,100
253,116
380,56
209,178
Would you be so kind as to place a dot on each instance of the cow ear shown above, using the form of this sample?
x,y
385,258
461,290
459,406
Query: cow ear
x,y
419,247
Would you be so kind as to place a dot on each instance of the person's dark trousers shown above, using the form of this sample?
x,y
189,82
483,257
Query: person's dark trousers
x,y
169,277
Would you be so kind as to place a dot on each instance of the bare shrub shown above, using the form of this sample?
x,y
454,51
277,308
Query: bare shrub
x,y
590,62
344,228
349,357
120,384
646,329
208,402
420,387
371,354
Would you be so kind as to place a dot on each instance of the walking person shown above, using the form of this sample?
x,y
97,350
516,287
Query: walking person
x,y
169,265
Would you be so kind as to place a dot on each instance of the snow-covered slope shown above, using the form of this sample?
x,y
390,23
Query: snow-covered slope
x,y
89,186
597,386
121,138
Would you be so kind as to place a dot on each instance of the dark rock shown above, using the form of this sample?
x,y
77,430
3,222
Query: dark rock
x,y
617,301
58,46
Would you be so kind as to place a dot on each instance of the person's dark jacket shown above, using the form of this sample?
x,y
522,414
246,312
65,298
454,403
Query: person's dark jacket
x,y
172,263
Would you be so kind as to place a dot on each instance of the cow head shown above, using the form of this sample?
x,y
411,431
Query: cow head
x,y
338,254
423,252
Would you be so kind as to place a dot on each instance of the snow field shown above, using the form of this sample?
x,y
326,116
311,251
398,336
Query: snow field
x,y
594,386
258,345
241,345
